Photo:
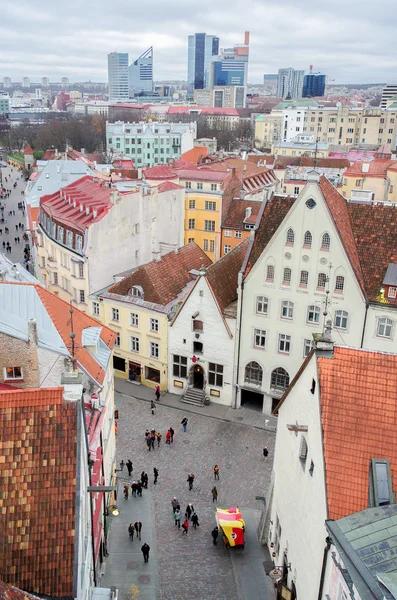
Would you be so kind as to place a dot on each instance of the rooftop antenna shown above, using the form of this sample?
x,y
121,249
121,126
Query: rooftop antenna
x,y
72,335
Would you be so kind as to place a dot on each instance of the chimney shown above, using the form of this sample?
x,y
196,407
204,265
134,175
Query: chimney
x,y
32,332
114,196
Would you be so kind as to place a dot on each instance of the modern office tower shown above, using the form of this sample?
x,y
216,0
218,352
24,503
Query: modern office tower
x,y
313,84
388,92
7,83
201,49
45,82
25,82
118,76
65,82
140,73
231,66
290,83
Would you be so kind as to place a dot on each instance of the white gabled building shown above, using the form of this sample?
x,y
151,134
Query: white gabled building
x,y
334,456
201,337
313,258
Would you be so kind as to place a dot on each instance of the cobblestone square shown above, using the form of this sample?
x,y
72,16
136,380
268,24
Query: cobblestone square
x,y
190,566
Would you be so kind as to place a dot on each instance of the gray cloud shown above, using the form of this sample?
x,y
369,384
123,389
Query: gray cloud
x,y
350,41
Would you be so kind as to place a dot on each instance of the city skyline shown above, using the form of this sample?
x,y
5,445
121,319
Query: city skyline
x,y
350,41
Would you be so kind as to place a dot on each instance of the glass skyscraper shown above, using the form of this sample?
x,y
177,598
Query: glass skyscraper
x,y
313,85
201,49
140,73
118,76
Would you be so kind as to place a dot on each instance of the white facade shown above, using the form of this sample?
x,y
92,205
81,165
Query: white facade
x,y
286,311
293,122
299,508
217,339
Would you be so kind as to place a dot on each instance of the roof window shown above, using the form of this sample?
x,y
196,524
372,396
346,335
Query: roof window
x,y
136,291
380,488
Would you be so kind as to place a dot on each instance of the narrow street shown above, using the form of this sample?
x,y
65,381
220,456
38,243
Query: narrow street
x,y
11,204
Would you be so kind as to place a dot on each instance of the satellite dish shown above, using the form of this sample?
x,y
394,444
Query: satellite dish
x,y
275,573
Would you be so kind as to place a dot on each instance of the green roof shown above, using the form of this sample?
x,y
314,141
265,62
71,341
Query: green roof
x,y
296,103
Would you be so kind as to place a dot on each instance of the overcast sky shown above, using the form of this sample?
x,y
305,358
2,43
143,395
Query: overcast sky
x,y
352,41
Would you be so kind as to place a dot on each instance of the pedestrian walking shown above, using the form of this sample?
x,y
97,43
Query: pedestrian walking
x,y
214,493
146,481
145,551
138,529
184,423
126,491
190,479
158,436
139,488
148,441
134,487
215,533
195,521
131,531
265,453
189,511
167,435
177,518
157,393
174,504
129,467
153,407
172,434
185,526
156,475
216,472
143,477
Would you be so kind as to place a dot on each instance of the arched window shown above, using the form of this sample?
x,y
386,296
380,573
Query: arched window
x,y
287,276
313,314
385,327
290,237
341,319
307,242
136,291
339,283
325,242
321,281
279,379
304,278
253,373
270,273
287,309
262,305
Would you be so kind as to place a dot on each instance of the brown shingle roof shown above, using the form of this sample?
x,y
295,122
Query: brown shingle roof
x,y
163,280
355,429
272,217
222,276
324,163
375,234
38,490
236,213
337,206
9,592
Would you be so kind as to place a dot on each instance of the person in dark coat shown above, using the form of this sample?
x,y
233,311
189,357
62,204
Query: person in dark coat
x,y
156,475
157,392
153,407
215,533
189,510
195,521
172,434
214,493
131,531
138,529
265,453
145,551
184,423
190,480
129,467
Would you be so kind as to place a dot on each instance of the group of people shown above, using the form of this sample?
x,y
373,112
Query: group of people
x,y
5,193
190,515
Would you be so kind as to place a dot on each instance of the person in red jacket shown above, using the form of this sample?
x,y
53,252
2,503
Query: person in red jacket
x,y
185,526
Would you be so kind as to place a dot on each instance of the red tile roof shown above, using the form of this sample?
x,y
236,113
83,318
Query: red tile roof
x,y
203,174
225,112
235,217
168,186
49,155
355,427
273,215
376,168
324,163
160,172
87,192
195,154
337,206
28,150
163,280
58,311
9,592
38,490
222,276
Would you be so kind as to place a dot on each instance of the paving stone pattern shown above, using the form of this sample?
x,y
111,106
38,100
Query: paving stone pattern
x,y
11,203
190,566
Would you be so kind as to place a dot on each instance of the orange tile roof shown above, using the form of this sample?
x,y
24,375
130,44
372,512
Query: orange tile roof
x,y
195,154
58,311
376,168
222,276
38,490
163,280
358,396
28,149
244,168
9,592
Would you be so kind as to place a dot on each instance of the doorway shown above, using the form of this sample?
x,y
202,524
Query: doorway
x,y
134,371
252,400
198,377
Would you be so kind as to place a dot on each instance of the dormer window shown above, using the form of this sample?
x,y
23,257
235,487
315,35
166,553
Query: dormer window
x,y
381,489
136,291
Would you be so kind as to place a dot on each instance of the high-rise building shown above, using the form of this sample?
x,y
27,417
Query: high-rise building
x,y
201,49
7,83
118,76
45,82
313,84
25,82
388,92
140,73
65,82
290,83
230,67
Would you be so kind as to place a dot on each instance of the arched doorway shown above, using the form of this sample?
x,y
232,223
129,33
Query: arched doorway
x,y
197,377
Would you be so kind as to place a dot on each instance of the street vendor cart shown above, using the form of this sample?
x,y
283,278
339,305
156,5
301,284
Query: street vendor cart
x,y
232,524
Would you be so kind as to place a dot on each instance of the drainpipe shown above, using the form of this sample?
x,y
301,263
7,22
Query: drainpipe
x,y
364,324
326,550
